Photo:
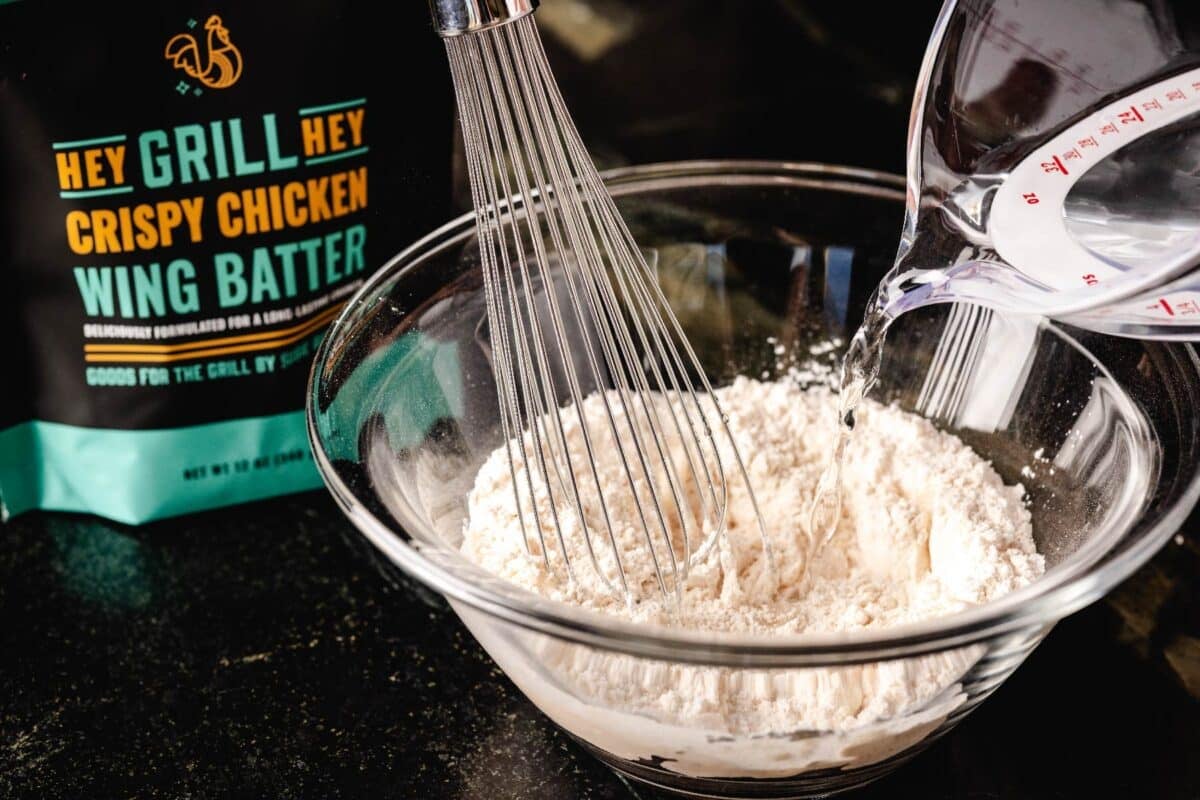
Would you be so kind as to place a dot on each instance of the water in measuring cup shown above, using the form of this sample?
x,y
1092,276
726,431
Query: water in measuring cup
x,y
1054,164
1053,169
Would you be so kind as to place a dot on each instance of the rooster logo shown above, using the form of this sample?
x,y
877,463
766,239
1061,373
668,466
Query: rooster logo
x,y
217,66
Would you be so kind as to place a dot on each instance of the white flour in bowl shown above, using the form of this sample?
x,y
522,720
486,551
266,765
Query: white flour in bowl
x,y
927,528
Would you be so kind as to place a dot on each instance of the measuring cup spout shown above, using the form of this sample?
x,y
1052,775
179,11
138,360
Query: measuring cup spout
x,y
1052,162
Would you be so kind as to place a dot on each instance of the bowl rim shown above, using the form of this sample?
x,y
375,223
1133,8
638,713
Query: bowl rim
x,y
1038,605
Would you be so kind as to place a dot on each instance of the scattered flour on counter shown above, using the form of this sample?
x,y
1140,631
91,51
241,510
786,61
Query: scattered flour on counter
x,y
927,528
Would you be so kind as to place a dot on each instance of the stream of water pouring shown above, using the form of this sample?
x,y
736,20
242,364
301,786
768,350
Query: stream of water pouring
x,y
860,371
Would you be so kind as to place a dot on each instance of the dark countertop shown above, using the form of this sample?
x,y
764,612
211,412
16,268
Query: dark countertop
x,y
259,652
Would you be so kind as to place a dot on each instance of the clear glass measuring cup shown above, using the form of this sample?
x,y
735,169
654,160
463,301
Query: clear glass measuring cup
x,y
1054,164
1053,169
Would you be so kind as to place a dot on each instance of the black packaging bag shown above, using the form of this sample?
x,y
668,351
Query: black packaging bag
x,y
188,194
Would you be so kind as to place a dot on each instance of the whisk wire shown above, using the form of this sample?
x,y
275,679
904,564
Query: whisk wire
x,y
487,228
574,308
541,148
528,203
537,395
599,233
570,213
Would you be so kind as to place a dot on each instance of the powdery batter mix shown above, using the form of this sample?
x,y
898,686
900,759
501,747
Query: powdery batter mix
x,y
928,527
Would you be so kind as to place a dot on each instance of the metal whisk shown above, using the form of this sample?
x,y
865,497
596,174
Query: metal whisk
x,y
574,309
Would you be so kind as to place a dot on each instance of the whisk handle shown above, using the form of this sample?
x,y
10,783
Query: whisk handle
x,y
456,17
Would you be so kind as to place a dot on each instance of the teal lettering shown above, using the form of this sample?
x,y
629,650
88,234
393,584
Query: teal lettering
x,y
263,285
231,285
156,168
95,287
240,165
274,160
124,295
192,149
285,253
332,257
181,286
310,248
356,238
218,149
148,290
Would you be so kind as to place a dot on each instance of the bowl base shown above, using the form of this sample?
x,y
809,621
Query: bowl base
x,y
819,783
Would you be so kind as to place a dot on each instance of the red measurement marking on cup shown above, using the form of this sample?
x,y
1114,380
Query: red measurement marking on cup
x,y
1132,115
1055,164
1027,223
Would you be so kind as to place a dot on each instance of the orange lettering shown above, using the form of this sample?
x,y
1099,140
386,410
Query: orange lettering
x,y
229,223
254,209
77,223
169,217
293,195
336,132
337,185
191,211
143,218
70,175
104,231
92,165
355,120
116,162
126,220
313,133
358,188
276,208
318,206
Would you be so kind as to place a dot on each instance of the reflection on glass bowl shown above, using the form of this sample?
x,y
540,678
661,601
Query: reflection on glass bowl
x,y
753,256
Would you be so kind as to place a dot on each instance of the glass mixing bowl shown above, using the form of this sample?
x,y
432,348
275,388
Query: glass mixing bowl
x,y
759,259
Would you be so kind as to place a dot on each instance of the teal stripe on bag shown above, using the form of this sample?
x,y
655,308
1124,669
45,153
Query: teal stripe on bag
x,y
137,476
